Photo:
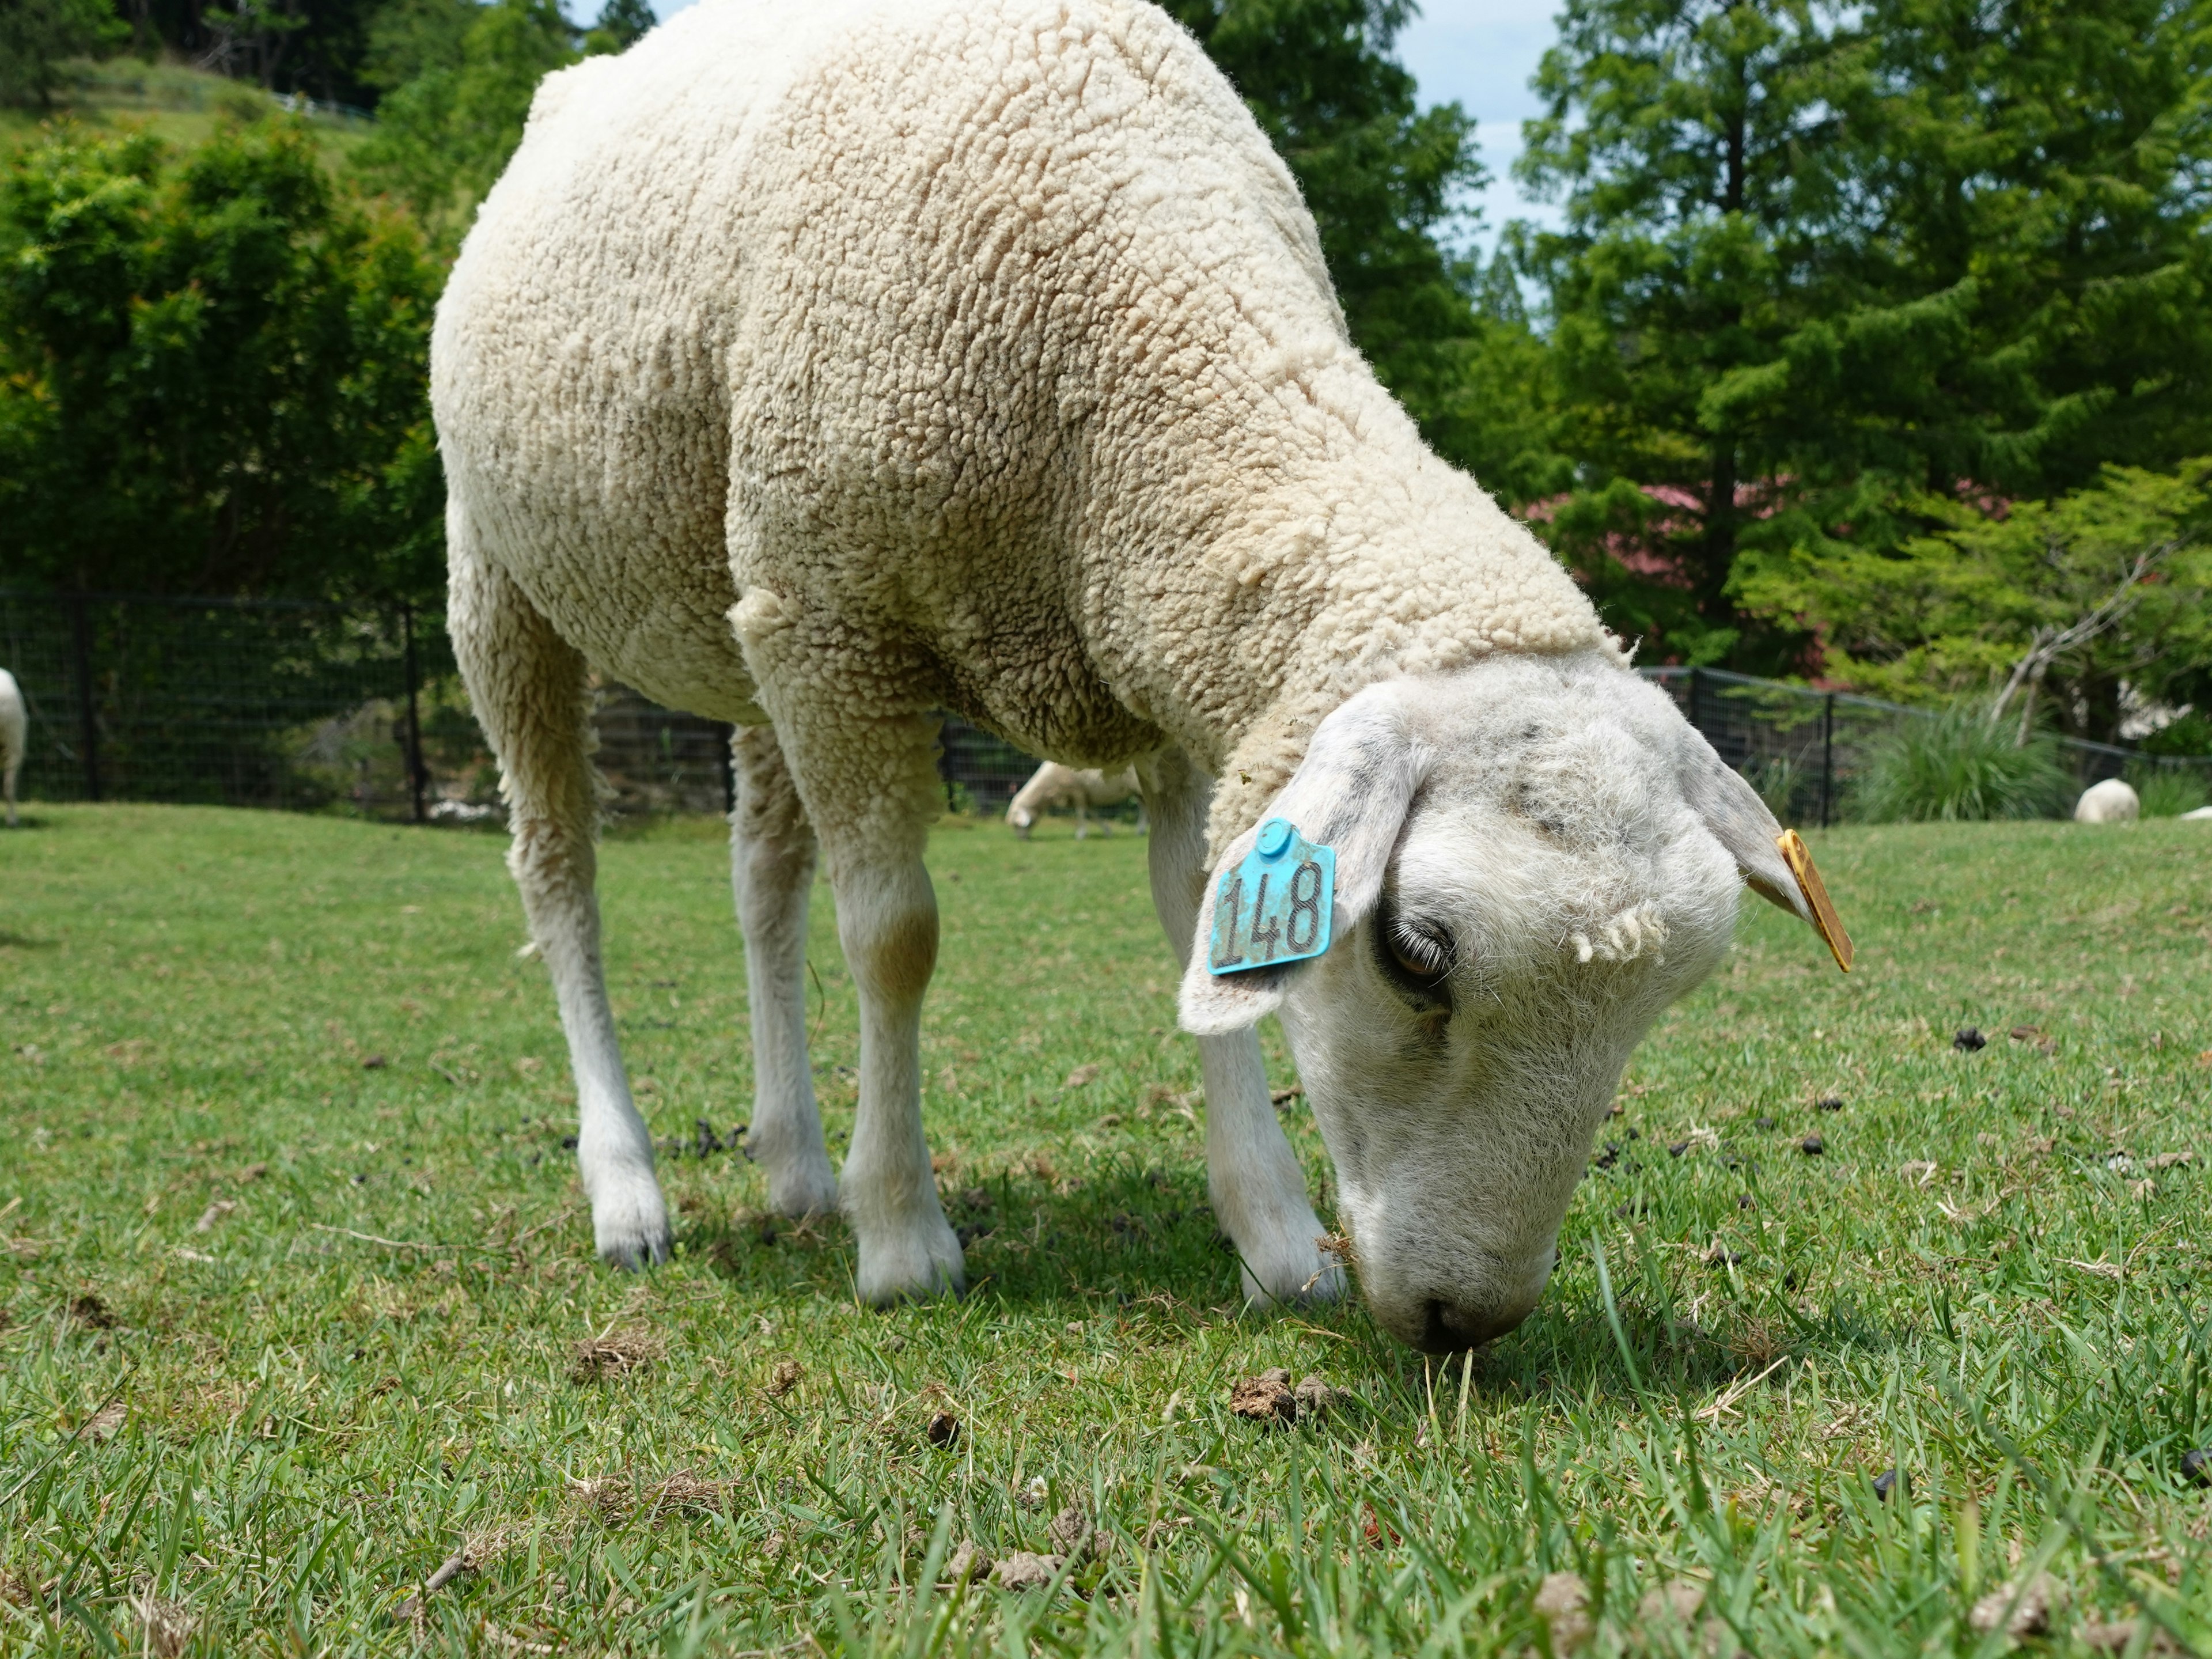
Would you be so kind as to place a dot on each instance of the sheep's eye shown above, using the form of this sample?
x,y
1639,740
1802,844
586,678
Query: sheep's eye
x,y
1419,956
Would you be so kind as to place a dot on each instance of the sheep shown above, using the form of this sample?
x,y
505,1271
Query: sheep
x,y
1053,783
2112,801
15,740
818,364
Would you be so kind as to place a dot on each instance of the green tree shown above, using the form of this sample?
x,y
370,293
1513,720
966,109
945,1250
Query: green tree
x,y
311,47
211,373
411,37
38,36
445,135
1826,264
621,25
1385,180
2082,609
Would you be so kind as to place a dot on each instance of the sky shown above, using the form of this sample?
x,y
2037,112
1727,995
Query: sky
x,y
1479,52
1482,52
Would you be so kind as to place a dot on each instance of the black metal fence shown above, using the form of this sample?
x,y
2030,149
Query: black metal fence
x,y
1805,751
322,708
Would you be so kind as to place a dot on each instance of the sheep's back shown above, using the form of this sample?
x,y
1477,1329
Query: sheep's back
x,y
884,301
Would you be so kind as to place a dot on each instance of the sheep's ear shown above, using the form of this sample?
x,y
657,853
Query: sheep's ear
x,y
1739,820
1350,793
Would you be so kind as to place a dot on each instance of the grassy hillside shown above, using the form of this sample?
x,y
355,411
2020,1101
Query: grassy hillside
x,y
300,1302
175,103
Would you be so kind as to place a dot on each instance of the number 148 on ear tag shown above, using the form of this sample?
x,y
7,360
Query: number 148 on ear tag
x,y
1275,907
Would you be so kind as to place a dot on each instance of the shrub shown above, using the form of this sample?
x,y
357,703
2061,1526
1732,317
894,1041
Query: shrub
x,y
2168,791
2188,734
1959,767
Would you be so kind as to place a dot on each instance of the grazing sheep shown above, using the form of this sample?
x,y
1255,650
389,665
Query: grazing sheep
x,y
2112,801
15,738
818,363
1052,784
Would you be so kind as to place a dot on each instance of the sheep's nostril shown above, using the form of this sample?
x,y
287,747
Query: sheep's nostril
x,y
1448,1329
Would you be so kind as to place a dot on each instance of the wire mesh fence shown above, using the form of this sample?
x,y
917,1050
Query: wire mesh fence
x,y
1806,752
361,710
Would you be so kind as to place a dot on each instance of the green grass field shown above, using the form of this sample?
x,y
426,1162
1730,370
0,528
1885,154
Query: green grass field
x,y
181,106
299,1302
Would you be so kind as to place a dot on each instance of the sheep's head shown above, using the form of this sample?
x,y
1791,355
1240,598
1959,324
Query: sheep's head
x,y
1534,857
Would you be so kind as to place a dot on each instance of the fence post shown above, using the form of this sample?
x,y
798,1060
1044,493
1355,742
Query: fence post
x,y
414,715
88,720
729,771
1827,755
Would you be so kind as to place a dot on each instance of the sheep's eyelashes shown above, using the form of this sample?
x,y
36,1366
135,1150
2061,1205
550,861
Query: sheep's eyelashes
x,y
1422,953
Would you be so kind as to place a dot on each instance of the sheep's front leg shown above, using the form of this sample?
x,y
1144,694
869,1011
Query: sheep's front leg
x,y
867,775
1259,1191
887,922
772,867
528,686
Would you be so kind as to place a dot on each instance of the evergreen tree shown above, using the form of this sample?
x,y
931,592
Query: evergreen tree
x,y
1383,179
621,25
37,36
444,138
1825,264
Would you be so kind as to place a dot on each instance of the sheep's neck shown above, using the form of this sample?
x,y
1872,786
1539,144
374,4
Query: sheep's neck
x,y
1302,557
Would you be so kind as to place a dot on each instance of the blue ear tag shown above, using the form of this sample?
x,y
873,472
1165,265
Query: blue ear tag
x,y
1275,907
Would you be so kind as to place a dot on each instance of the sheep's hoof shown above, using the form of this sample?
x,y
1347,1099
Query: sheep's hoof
x,y
1309,1280
632,1236
916,1266
808,1194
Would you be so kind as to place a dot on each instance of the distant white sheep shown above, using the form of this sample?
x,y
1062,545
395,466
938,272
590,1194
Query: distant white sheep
x,y
15,738
1054,785
2109,802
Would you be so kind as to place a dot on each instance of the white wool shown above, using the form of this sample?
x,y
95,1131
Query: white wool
x,y
820,363
2112,801
990,346
15,740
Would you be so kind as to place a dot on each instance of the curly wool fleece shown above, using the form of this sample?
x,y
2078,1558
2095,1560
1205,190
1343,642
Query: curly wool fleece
x,y
990,346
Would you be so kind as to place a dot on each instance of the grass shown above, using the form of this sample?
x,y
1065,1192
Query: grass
x,y
287,1327
181,105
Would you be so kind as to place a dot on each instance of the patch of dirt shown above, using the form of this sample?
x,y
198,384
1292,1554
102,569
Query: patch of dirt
x,y
614,1353
2019,1610
89,1310
1563,1603
168,1625
615,1497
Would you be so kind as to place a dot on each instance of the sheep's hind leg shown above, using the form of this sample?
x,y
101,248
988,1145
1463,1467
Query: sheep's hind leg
x,y
528,686
1258,1189
772,864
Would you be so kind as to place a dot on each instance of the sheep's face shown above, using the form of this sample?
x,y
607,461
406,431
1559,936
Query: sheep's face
x,y
1534,857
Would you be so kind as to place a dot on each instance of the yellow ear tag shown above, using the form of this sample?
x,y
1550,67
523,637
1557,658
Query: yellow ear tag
x,y
1799,858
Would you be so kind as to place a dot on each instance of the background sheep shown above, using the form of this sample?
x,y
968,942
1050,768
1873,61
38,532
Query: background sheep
x,y
2112,801
818,363
1054,784
15,740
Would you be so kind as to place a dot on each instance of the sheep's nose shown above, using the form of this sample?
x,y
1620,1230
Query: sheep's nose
x,y
1447,1328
